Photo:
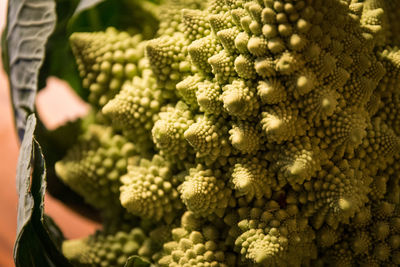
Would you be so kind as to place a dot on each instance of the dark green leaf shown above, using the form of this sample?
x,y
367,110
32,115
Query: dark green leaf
x,y
33,245
25,200
54,231
136,261
4,53
29,24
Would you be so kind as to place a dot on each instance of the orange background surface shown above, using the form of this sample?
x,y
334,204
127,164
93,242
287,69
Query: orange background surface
x,y
57,104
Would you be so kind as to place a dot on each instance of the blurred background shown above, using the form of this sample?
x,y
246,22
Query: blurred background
x,y
56,104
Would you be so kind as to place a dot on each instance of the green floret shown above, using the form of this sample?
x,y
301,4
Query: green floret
x,y
168,59
298,161
271,236
250,178
93,167
380,146
205,192
187,89
320,104
271,91
208,136
149,190
195,24
227,38
170,14
269,128
168,133
246,137
105,60
136,107
202,49
103,249
223,66
336,195
375,243
240,100
209,97
196,244
282,123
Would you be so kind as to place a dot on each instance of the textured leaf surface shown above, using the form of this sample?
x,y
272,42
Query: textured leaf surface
x,y
25,200
4,54
33,245
29,24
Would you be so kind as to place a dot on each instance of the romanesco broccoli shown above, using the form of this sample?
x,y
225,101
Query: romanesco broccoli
x,y
247,132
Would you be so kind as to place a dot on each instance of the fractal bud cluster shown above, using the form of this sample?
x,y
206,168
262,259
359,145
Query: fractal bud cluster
x,y
246,133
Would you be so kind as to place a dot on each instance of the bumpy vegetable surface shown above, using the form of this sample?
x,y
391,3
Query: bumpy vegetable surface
x,y
246,133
